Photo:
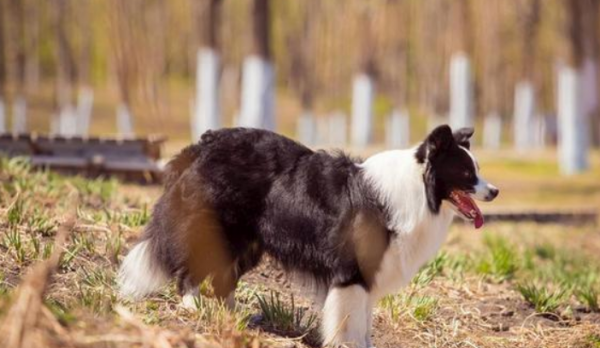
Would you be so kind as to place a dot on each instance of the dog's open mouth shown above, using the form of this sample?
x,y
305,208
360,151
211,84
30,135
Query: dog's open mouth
x,y
466,207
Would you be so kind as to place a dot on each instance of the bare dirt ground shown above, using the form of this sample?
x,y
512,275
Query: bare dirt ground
x,y
512,285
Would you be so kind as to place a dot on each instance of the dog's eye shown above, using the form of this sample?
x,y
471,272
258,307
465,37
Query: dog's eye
x,y
467,174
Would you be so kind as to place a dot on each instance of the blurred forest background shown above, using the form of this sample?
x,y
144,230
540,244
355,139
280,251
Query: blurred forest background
x,y
142,54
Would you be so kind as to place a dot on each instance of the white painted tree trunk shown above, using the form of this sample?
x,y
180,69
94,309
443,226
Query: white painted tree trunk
x,y
258,94
539,130
124,121
19,121
572,122
307,128
206,112
85,104
523,124
398,130
322,131
338,129
363,93
55,123
461,93
492,131
2,117
67,126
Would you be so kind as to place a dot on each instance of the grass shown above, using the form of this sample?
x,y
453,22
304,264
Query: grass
x,y
588,296
283,317
500,261
456,299
542,299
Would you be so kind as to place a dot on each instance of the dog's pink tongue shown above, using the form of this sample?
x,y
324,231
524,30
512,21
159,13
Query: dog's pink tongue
x,y
478,220
468,207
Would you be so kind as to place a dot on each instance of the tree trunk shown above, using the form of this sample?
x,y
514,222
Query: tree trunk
x,y
363,89
3,127
19,119
573,120
67,72
525,91
258,85
206,111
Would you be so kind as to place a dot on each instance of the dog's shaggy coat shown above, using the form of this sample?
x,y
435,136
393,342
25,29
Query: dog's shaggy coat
x,y
359,230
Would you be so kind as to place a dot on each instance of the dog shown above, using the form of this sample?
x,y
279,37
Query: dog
x,y
358,229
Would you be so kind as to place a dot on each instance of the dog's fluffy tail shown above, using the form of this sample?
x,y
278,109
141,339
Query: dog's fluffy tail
x,y
141,274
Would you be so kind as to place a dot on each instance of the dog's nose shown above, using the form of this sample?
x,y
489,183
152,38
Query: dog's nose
x,y
493,193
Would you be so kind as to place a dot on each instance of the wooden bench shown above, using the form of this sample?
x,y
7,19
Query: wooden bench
x,y
130,159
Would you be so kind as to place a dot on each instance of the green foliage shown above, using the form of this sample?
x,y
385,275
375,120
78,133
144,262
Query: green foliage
x,y
593,340
135,218
500,261
16,213
542,299
284,318
420,308
588,295
431,270
13,242
60,312
424,307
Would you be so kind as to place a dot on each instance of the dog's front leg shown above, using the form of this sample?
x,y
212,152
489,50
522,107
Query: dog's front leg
x,y
346,317
369,324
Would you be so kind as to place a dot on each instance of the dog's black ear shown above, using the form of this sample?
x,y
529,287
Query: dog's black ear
x,y
439,140
462,137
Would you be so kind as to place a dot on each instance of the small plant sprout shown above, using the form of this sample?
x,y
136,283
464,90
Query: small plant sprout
x,y
542,299
286,319
589,295
501,262
424,308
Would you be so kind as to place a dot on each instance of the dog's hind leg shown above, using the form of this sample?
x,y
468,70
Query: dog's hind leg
x,y
209,260
345,317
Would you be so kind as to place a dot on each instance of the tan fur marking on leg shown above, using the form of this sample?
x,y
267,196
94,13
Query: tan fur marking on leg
x,y
370,239
202,237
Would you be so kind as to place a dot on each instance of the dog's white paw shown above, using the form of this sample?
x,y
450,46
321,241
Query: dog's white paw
x,y
189,302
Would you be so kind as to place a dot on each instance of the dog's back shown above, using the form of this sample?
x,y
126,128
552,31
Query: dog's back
x,y
206,222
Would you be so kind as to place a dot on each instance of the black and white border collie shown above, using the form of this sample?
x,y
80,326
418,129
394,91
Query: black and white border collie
x,y
360,230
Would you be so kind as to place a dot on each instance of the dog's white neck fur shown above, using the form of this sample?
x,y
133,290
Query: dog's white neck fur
x,y
397,178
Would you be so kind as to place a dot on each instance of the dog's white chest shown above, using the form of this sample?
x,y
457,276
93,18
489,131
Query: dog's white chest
x,y
408,252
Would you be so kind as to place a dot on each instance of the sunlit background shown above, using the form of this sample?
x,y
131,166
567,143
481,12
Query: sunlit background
x,y
363,76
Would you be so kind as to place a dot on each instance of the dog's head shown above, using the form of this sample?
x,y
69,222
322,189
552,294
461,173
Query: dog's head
x,y
452,173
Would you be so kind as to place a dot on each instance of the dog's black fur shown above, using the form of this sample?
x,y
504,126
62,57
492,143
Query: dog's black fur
x,y
291,202
448,167
273,195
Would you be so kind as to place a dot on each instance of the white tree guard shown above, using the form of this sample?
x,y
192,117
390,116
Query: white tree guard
x,y
492,131
572,122
307,128
206,112
67,125
338,129
54,124
2,117
363,92
124,121
540,131
461,93
322,131
85,103
398,130
19,121
524,113
258,98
